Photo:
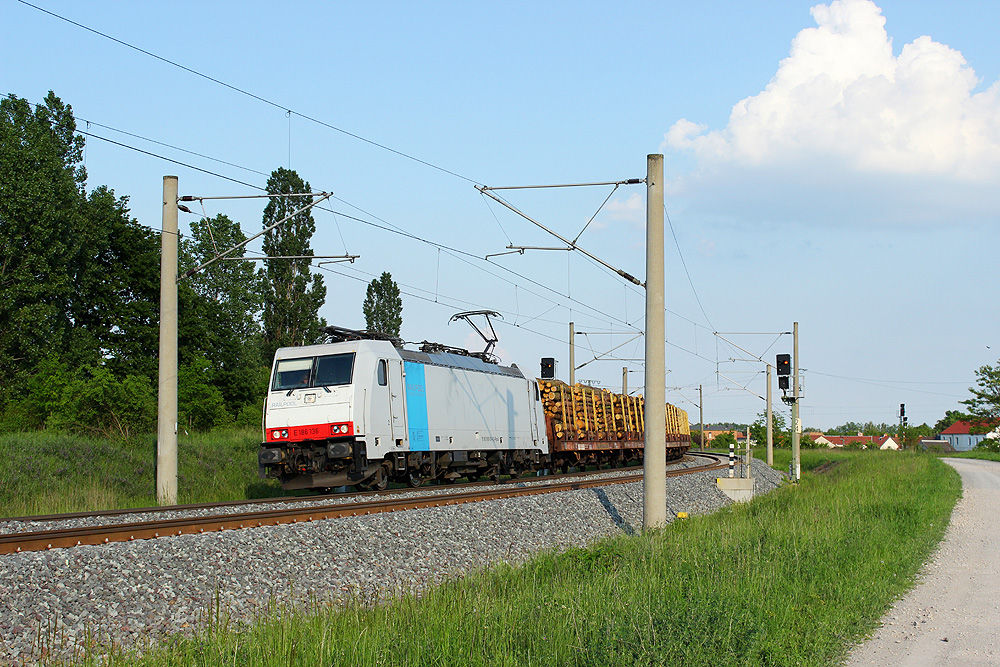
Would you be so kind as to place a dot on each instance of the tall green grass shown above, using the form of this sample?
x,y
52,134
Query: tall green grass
x,y
50,472
792,578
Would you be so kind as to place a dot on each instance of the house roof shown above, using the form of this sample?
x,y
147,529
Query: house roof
x,y
958,428
844,440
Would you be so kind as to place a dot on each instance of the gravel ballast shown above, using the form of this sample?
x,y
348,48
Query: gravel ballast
x,y
134,593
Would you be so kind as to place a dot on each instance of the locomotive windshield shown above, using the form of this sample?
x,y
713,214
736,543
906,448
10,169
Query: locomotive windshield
x,y
305,372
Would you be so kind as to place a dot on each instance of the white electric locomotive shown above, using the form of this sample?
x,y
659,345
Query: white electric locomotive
x,y
362,411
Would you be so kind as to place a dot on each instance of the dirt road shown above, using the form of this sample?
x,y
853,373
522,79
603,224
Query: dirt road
x,y
953,616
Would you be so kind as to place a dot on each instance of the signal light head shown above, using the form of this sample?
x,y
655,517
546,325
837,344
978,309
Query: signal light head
x,y
784,364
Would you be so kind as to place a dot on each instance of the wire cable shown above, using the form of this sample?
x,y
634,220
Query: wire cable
x,y
241,91
684,264
461,255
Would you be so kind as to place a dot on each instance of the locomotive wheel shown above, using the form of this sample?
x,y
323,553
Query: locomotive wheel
x,y
414,479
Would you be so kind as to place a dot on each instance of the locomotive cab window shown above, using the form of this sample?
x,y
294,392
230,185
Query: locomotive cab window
x,y
383,379
323,371
292,374
334,369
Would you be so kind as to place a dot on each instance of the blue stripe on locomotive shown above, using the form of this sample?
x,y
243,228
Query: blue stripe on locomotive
x,y
416,406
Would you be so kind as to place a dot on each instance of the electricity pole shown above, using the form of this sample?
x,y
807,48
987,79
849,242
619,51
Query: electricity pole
x,y
572,355
166,417
770,426
796,460
655,457
701,418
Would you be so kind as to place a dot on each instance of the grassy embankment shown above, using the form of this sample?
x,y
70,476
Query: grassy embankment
x,y
975,454
790,579
48,473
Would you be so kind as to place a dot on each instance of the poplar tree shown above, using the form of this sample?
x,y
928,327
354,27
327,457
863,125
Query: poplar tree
x,y
383,307
292,294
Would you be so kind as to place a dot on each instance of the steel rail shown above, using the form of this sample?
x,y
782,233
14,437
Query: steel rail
x,y
96,535
297,499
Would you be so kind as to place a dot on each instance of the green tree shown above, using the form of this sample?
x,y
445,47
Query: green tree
x,y
911,436
116,278
780,437
984,406
41,185
292,294
950,417
78,276
383,307
723,440
222,314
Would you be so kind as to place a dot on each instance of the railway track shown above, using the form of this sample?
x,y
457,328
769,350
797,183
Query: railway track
x,y
318,509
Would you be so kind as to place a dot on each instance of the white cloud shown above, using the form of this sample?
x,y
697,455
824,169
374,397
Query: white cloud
x,y
632,209
842,108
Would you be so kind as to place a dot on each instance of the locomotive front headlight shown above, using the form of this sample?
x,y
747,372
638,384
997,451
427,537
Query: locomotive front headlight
x,y
284,433
275,434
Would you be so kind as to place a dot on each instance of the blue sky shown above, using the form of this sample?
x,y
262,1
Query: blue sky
x,y
832,164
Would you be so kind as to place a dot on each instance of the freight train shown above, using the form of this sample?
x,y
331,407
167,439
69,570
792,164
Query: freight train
x,y
362,410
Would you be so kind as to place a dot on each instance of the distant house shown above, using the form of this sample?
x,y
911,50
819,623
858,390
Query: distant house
x,y
961,440
862,441
712,434
887,442
935,445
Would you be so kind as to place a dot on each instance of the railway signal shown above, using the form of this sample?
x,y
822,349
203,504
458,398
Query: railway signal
x,y
784,364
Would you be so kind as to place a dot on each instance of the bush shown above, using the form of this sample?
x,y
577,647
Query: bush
x,y
250,416
95,401
989,445
87,399
200,404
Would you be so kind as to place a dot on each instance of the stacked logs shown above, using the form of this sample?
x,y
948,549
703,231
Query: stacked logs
x,y
581,412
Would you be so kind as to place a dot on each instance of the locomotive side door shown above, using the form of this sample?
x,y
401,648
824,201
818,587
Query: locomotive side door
x,y
397,409
533,398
